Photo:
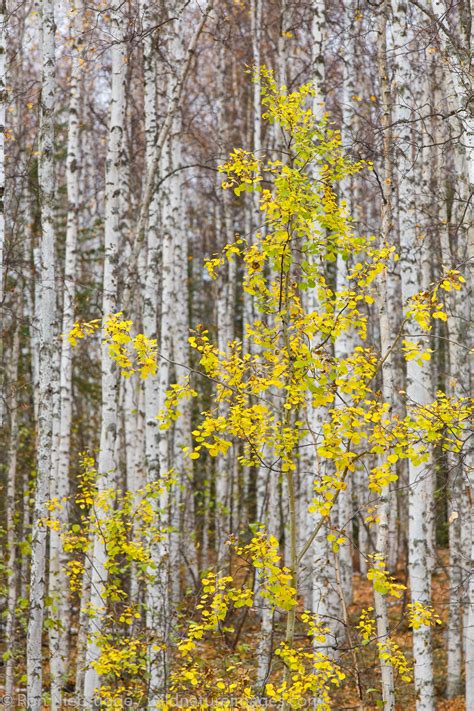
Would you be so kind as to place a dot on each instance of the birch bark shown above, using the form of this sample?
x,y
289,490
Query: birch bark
x,y
344,343
224,310
158,588
58,582
458,56
177,304
46,319
107,463
325,593
418,386
342,348
380,601
156,592
458,376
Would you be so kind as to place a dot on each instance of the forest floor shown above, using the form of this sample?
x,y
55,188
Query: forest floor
x,y
346,698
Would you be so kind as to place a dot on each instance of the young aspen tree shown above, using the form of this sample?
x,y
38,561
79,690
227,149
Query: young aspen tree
x,y
293,197
107,464
47,325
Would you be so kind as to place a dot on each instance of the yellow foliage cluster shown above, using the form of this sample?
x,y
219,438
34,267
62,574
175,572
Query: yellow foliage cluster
x,y
131,354
383,583
420,615
275,580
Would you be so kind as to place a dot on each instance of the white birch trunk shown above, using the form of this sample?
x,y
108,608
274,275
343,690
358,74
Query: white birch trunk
x,y
58,582
380,601
177,302
107,463
318,40
325,594
342,348
82,625
256,28
418,391
184,516
222,468
458,61
418,386
225,305
157,586
158,594
46,319
462,381
252,206
458,376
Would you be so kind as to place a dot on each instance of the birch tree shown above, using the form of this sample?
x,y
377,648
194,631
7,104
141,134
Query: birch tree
x,y
58,583
386,227
456,48
47,325
107,464
418,386
156,588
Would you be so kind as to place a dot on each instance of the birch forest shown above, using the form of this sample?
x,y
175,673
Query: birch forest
x,y
236,443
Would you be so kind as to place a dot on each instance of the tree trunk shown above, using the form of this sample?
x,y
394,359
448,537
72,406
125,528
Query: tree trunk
x,y
107,464
46,320
58,582
380,601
